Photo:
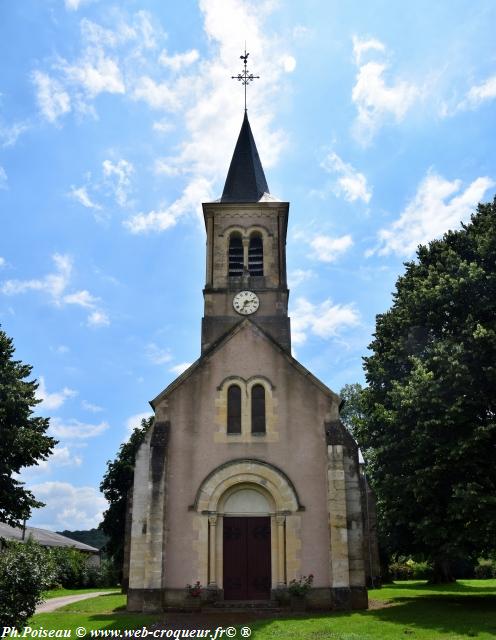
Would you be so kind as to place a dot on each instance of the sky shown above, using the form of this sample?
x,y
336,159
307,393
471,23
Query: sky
x,y
375,120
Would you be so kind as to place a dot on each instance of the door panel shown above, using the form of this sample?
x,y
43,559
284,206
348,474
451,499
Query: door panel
x,y
247,558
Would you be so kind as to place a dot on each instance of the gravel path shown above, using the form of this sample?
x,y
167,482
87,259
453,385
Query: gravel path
x,y
56,603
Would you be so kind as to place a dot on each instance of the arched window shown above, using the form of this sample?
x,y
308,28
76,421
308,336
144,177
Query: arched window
x,y
235,255
234,409
255,256
258,409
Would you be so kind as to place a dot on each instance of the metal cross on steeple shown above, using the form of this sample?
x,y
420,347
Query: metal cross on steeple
x,y
245,77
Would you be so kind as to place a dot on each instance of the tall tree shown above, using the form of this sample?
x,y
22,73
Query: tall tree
x,y
23,439
430,434
352,407
116,484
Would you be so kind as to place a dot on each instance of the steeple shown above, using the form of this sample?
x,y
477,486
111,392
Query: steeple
x,y
245,180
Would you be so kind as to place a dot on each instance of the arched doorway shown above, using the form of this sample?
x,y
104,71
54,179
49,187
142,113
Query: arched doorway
x,y
246,544
248,488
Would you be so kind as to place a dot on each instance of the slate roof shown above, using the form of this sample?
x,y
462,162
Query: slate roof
x,y
44,537
245,180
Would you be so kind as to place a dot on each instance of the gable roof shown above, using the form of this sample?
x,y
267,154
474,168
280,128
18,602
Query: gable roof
x,y
220,342
43,536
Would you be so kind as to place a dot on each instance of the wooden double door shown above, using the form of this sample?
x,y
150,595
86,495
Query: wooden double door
x,y
247,558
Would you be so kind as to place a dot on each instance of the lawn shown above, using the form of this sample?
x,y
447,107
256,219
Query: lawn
x,y
414,610
103,612
409,609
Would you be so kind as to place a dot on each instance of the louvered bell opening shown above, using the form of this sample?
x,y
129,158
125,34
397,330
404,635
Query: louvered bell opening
x,y
255,256
234,409
235,256
258,409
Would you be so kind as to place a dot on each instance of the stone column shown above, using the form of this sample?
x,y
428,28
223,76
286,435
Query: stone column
x,y
212,542
281,555
246,244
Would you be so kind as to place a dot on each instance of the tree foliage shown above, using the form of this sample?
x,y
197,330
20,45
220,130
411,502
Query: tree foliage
x,y
116,483
430,434
22,436
25,572
352,411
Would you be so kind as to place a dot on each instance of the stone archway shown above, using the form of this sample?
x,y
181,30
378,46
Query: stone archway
x,y
248,488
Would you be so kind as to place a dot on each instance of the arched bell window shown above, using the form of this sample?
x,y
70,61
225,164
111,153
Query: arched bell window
x,y
255,255
258,409
235,255
234,409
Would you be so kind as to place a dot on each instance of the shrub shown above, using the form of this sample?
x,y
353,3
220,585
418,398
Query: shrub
x,y
26,570
410,569
486,568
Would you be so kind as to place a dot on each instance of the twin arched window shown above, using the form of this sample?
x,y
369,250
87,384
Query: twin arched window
x,y
236,255
257,409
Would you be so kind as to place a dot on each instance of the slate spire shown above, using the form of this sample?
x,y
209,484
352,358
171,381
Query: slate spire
x,y
245,180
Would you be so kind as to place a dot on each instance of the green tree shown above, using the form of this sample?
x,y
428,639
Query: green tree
x,y
352,410
116,483
22,436
26,570
430,434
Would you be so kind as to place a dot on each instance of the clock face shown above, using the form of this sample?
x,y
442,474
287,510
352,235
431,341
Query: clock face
x,y
246,302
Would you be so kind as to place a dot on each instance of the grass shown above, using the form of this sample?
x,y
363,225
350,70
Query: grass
x,y
415,610
103,612
411,610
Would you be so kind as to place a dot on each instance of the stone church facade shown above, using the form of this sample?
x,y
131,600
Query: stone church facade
x,y
247,478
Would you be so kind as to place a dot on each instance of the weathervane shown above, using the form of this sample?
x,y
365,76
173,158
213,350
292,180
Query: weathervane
x,y
245,77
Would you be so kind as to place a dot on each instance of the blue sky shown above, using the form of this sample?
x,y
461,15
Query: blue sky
x,y
376,120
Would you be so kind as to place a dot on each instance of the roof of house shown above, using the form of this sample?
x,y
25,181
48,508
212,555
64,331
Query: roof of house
x,y
42,536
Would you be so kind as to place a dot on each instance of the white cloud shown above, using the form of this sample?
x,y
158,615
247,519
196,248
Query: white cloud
x,y
377,102
95,73
195,192
362,46
350,183
53,100
54,285
134,421
9,134
297,276
324,320
177,369
156,95
60,457
52,400
163,126
81,195
2,262
478,94
75,430
3,178
162,167
156,354
94,408
119,176
329,249
179,60
73,5
438,205
81,298
67,506
98,319
288,63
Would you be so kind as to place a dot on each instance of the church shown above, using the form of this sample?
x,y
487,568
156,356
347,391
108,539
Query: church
x,y
248,479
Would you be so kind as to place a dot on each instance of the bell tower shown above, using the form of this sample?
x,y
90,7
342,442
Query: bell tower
x,y
246,251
